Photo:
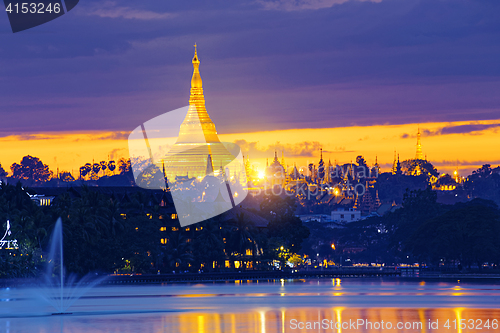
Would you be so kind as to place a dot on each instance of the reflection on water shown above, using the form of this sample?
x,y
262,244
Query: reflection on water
x,y
308,306
271,321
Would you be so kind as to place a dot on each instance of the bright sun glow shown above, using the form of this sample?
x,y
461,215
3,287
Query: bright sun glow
x,y
261,174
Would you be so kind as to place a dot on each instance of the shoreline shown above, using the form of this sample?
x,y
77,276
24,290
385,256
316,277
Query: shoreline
x,y
255,276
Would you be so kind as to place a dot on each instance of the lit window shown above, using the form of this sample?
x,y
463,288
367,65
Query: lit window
x,y
149,216
187,228
199,229
175,229
174,216
164,240
249,252
161,217
188,240
163,228
124,216
136,229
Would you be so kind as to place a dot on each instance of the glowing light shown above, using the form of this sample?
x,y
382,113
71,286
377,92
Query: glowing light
x,y
262,174
262,321
333,246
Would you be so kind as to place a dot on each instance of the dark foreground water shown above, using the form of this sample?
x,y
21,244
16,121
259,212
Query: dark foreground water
x,y
333,305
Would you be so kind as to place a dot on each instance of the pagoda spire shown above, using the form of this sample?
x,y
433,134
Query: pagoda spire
x,y
197,127
419,155
394,164
398,168
198,148
210,166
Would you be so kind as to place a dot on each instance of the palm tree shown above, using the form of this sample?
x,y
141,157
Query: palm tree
x,y
208,244
242,237
178,253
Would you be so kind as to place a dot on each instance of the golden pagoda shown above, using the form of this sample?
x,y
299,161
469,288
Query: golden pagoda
x,y
198,148
419,155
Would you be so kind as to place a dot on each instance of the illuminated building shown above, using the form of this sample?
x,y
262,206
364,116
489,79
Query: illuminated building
x,y
419,155
275,173
376,167
321,167
394,164
328,174
343,215
399,172
198,148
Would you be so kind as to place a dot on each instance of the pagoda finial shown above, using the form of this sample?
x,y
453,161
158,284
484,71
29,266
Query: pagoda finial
x,y
196,83
321,153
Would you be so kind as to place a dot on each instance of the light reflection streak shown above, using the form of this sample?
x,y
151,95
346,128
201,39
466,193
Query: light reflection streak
x,y
262,321
458,315
338,318
421,316
201,324
282,321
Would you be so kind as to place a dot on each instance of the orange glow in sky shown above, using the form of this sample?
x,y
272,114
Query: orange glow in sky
x,y
445,148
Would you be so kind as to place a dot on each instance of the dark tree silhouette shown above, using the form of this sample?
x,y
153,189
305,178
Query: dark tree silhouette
x,y
3,173
96,168
104,166
66,176
31,168
111,166
124,166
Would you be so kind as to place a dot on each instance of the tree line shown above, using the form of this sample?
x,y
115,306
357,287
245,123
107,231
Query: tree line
x,y
459,236
137,233
31,168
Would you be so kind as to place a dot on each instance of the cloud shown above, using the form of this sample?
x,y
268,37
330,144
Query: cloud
x,y
301,149
467,129
117,153
114,136
109,9
26,137
460,163
290,5
471,129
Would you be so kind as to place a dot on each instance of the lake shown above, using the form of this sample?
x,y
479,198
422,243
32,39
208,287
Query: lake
x,y
315,305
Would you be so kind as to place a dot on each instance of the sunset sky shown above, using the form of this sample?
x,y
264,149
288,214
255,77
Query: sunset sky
x,y
354,77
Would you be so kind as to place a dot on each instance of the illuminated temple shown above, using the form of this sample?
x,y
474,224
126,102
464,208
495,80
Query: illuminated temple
x,y
198,151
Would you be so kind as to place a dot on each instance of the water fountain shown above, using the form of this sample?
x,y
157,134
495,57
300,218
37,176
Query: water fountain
x,y
57,289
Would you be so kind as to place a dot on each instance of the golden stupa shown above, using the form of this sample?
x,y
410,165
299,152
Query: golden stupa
x,y
198,151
